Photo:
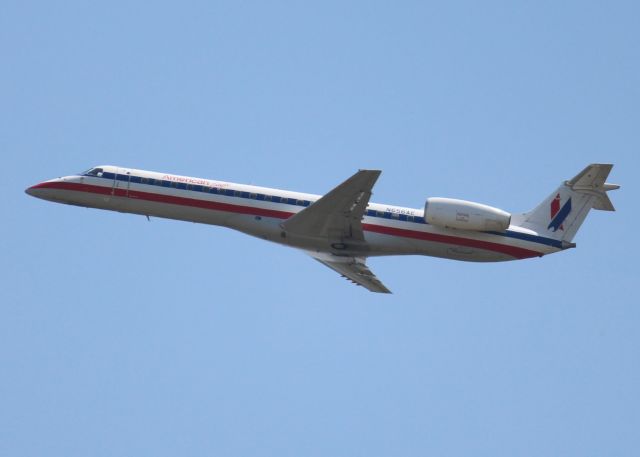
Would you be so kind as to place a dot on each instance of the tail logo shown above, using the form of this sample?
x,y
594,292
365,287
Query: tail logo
x,y
558,215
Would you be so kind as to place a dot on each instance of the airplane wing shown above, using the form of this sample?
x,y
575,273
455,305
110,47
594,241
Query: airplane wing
x,y
352,268
338,214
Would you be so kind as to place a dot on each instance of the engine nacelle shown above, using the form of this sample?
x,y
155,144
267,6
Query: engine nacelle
x,y
464,215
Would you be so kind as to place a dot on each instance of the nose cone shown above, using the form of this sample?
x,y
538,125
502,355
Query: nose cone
x,y
44,190
59,190
33,190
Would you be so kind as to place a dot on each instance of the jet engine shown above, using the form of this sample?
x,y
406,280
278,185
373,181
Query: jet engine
x,y
464,215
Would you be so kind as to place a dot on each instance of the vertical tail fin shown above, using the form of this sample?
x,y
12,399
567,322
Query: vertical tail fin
x,y
561,214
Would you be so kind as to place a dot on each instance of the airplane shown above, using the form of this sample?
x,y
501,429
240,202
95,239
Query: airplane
x,y
342,228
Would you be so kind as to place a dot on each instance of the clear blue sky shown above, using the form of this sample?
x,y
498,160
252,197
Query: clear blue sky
x,y
120,336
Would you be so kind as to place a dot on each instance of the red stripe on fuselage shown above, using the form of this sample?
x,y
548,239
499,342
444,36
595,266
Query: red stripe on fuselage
x,y
513,251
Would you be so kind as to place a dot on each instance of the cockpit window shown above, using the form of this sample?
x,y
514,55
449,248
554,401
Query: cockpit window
x,y
94,172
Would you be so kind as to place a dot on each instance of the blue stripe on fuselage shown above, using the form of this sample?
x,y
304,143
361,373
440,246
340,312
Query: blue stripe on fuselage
x,y
528,237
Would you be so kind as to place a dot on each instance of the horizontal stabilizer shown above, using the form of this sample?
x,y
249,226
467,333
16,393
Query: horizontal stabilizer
x,y
592,181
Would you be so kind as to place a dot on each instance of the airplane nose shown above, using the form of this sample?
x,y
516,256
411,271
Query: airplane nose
x,y
36,190
47,190
31,190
